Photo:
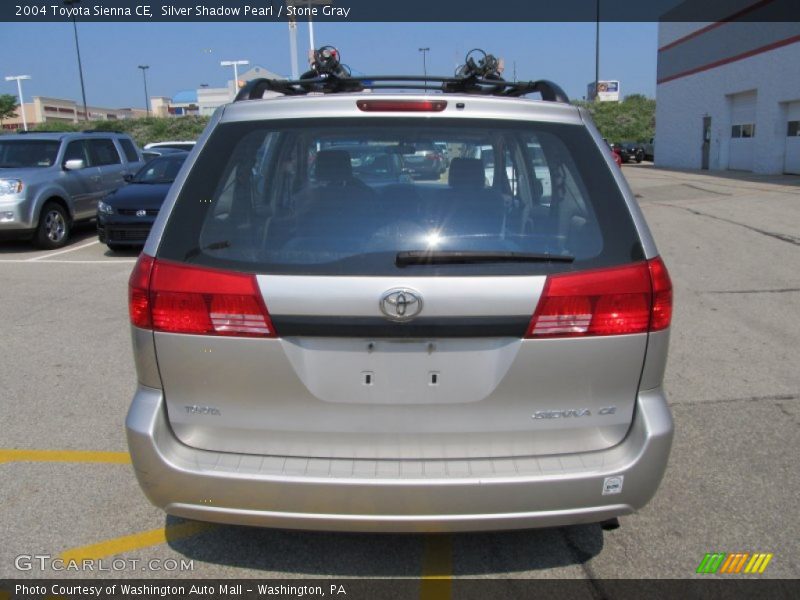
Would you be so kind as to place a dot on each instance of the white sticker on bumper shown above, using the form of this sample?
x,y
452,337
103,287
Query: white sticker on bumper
x,y
612,485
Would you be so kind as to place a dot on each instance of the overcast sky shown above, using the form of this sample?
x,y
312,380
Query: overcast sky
x,y
184,55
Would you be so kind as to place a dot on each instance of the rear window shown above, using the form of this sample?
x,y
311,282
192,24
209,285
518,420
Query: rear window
x,y
337,197
163,169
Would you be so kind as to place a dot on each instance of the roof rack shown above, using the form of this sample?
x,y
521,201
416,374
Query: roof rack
x,y
23,132
101,131
328,76
254,90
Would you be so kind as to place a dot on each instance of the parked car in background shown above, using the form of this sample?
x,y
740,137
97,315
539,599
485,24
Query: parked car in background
x,y
620,151
616,156
444,150
179,145
322,352
125,217
630,151
614,152
426,162
376,164
152,153
50,181
649,150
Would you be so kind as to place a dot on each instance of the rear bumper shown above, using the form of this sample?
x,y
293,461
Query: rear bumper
x,y
397,495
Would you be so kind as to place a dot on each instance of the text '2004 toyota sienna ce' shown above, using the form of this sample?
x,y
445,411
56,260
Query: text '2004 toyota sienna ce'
x,y
321,344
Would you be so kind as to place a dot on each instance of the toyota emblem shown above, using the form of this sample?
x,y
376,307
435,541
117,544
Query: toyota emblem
x,y
401,304
141,213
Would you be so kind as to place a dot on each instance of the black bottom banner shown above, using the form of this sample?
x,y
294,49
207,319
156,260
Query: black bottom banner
x,y
250,589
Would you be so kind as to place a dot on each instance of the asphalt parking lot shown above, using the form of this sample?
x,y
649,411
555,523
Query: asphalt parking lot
x,y
732,245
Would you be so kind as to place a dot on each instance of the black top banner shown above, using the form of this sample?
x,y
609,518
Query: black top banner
x,y
401,10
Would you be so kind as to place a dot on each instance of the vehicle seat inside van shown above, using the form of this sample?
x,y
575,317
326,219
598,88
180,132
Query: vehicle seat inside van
x,y
468,207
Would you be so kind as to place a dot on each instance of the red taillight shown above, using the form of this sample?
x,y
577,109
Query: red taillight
x,y
138,295
662,295
617,301
188,299
401,105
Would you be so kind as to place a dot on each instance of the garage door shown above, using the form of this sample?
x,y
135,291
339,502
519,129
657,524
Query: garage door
x,y
792,156
743,128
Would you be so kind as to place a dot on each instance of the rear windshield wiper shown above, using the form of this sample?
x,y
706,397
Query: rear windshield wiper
x,y
453,257
198,250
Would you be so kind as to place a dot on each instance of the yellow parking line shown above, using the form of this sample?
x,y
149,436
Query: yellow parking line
x,y
437,568
88,456
128,543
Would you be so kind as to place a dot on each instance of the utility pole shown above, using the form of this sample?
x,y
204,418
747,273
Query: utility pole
x,y
70,4
146,97
597,54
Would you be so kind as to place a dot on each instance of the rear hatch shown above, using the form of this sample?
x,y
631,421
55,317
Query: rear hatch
x,y
300,311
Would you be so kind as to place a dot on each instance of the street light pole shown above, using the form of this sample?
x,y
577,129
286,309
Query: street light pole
x,y
425,65
19,79
235,64
70,3
146,97
293,47
424,61
307,4
597,54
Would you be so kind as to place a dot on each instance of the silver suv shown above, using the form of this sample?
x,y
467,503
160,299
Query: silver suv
x,y
48,181
320,352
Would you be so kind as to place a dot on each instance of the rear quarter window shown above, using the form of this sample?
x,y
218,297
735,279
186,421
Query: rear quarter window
x,y
103,152
129,149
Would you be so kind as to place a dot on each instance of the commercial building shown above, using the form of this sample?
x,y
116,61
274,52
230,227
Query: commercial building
x,y
728,94
49,110
181,104
202,101
205,100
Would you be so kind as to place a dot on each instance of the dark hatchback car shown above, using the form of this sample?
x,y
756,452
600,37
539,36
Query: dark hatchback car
x,y
125,217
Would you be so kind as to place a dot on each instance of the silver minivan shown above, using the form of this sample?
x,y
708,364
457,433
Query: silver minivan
x,y
49,181
318,352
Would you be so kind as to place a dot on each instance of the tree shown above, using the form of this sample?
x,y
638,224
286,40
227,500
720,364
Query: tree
x,y
8,106
632,119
